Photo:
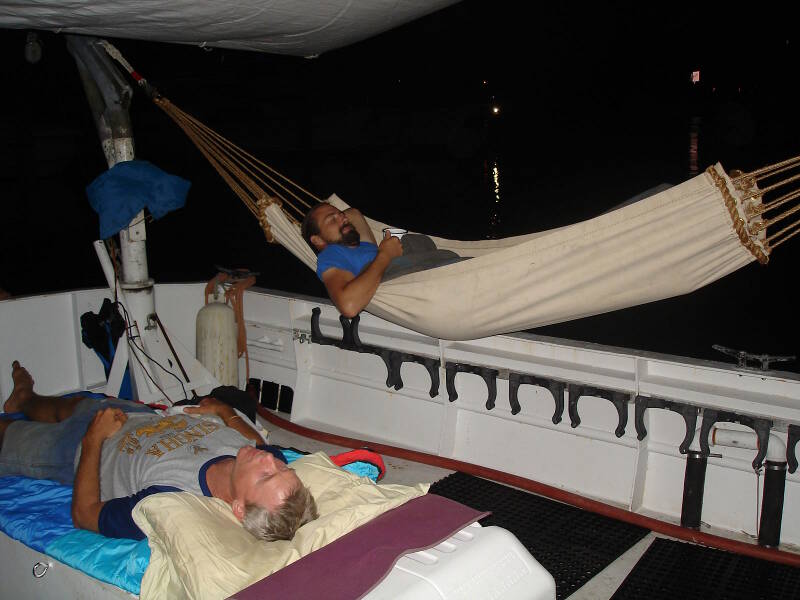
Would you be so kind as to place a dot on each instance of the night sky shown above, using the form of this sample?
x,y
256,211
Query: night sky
x,y
596,105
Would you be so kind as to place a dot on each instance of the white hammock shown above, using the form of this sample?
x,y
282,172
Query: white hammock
x,y
665,245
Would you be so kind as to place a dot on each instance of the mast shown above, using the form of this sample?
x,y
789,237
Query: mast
x,y
109,97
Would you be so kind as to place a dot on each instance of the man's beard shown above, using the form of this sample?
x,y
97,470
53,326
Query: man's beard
x,y
350,237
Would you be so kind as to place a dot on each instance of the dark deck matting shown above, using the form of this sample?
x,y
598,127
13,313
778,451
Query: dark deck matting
x,y
671,569
572,544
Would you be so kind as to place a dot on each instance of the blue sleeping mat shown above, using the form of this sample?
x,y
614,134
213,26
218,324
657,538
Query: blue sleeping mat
x,y
37,513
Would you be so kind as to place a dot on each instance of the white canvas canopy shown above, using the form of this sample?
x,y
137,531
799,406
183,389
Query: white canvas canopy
x,y
293,27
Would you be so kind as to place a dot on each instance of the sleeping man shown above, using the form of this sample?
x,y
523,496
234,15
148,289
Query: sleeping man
x,y
351,264
124,451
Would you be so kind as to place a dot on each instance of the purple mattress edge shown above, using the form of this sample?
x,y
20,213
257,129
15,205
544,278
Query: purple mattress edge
x,y
351,566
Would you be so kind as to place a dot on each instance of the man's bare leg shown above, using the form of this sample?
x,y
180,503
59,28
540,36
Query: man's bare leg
x,y
47,409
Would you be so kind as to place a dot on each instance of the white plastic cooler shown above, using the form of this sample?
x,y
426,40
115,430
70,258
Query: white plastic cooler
x,y
477,562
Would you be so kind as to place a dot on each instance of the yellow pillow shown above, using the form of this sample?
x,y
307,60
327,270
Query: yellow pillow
x,y
200,551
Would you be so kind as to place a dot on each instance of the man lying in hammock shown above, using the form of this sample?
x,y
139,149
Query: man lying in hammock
x,y
128,452
352,265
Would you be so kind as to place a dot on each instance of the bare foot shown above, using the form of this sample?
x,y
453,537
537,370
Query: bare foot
x,y
23,388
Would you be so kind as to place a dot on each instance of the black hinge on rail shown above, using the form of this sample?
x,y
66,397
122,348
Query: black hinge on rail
x,y
618,399
555,387
489,376
393,359
687,411
759,425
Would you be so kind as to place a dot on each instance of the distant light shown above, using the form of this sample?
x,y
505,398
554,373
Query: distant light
x,y
485,82
33,48
695,76
495,110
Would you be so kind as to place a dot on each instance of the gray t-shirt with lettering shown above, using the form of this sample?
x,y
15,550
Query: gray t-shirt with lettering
x,y
152,450
153,453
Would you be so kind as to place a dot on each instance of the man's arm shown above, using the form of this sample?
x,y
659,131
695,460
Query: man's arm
x,y
352,293
358,221
212,406
86,504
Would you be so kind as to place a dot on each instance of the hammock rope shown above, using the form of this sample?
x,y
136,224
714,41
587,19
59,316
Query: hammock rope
x,y
259,185
246,161
757,207
255,183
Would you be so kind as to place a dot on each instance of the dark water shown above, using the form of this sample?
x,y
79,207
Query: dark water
x,y
593,109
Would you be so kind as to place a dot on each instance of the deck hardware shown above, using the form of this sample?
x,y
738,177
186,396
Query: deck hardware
x,y
694,483
791,443
618,399
760,425
556,388
431,364
489,376
769,527
393,359
350,341
743,358
300,336
40,569
687,411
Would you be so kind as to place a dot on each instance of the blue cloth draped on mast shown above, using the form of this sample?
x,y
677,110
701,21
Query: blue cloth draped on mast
x,y
126,188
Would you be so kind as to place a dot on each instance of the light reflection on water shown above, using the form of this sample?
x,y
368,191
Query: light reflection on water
x,y
676,169
694,143
494,207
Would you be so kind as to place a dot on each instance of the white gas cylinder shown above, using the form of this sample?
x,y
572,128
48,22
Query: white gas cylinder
x,y
216,341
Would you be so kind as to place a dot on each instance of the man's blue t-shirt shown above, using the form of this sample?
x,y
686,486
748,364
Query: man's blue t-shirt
x,y
349,258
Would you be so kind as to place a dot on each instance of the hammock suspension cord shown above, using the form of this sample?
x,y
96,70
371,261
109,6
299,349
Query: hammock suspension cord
x,y
255,183
258,185
757,207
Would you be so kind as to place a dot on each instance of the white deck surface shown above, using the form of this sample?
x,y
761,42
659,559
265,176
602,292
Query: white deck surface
x,y
397,470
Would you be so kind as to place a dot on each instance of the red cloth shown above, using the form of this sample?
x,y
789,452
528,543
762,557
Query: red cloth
x,y
362,455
